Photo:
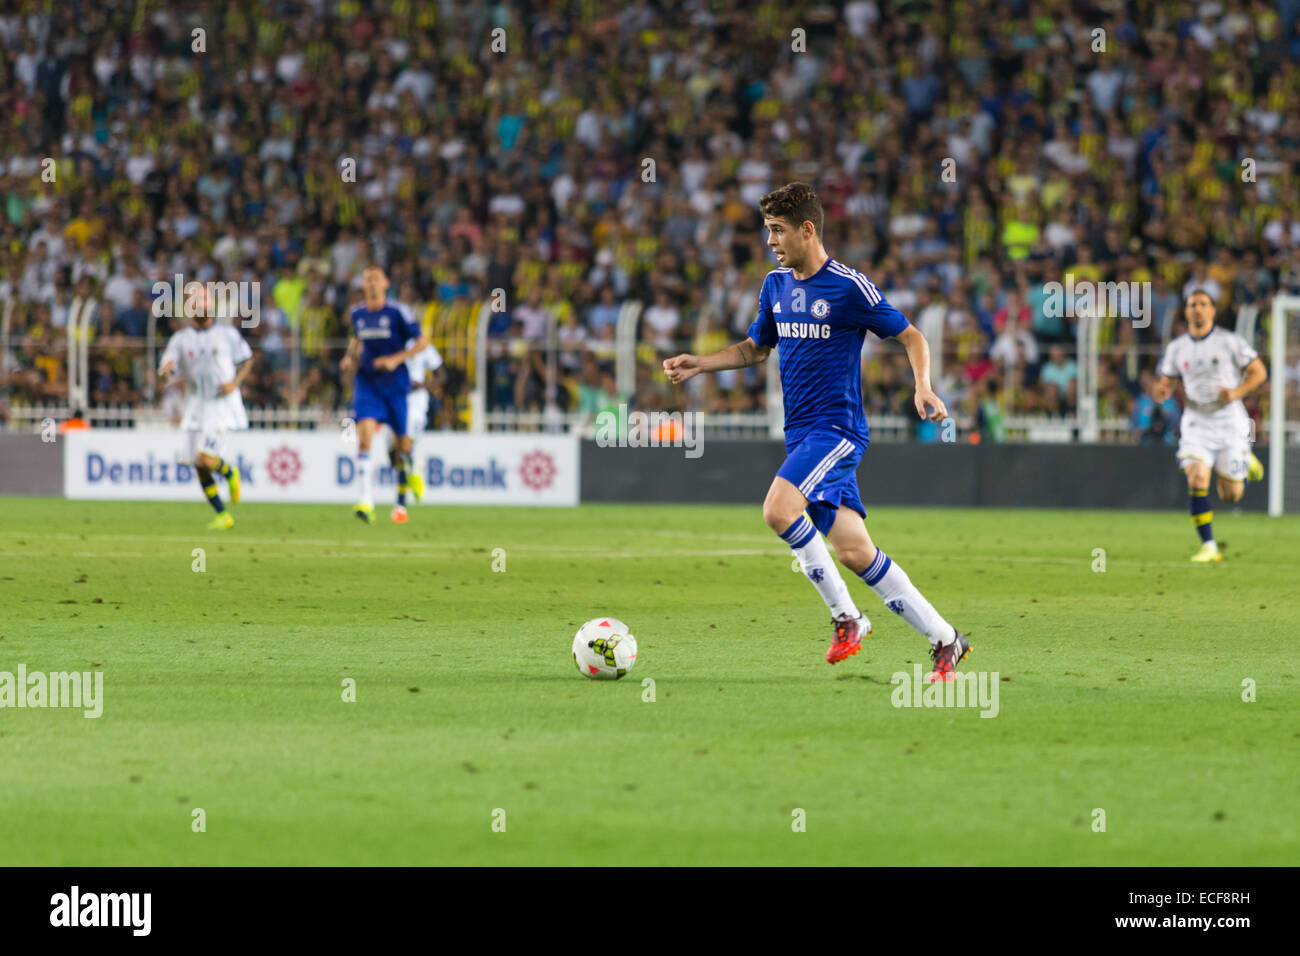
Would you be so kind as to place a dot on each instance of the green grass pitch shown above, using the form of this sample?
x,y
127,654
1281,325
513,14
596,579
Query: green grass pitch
x,y
223,690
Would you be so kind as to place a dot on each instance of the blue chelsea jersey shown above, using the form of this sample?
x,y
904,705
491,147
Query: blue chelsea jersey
x,y
817,325
384,331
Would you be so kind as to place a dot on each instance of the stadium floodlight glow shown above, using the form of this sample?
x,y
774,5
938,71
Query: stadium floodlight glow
x,y
1282,305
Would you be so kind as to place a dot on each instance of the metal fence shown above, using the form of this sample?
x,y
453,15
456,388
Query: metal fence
x,y
497,380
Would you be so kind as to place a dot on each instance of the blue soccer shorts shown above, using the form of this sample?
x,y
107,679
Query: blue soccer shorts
x,y
824,467
385,405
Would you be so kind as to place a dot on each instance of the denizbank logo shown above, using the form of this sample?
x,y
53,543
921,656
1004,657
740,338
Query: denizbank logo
x,y
438,473
150,470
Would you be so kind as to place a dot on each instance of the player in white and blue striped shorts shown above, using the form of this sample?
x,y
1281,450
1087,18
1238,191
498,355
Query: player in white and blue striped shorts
x,y
815,312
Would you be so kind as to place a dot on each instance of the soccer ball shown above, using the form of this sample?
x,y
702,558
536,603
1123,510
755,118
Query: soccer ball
x,y
603,649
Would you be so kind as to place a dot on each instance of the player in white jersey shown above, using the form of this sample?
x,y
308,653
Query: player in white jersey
x,y
419,367
1217,368
213,360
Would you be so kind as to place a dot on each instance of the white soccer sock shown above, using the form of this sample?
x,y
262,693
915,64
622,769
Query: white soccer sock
x,y
819,568
363,477
895,588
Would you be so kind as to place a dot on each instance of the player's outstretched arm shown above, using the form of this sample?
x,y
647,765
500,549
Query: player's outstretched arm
x,y
350,357
743,354
928,404
1256,375
241,373
1162,389
170,357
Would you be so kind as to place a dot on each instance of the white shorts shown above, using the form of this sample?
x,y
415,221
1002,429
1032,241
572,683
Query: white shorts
x,y
417,411
1224,446
210,442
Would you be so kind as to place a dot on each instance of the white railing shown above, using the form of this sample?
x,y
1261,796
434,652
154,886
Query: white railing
x,y
1278,426
1088,364
1084,425
1247,320
719,425
725,426
478,398
32,417
78,330
629,318
7,307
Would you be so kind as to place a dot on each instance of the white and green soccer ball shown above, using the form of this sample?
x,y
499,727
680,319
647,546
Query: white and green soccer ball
x,y
603,649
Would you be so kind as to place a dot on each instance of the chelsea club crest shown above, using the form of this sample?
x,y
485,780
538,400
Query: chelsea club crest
x,y
820,309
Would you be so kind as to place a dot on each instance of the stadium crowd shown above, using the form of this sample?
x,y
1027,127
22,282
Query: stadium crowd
x,y
586,155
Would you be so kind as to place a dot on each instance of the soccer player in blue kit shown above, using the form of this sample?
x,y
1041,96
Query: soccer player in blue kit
x,y
815,312
378,351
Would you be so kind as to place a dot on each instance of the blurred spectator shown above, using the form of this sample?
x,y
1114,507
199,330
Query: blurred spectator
x,y
533,319
1155,422
602,318
1058,377
662,321
990,420
133,320
1015,343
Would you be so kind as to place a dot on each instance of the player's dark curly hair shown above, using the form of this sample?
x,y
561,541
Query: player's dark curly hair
x,y
796,202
